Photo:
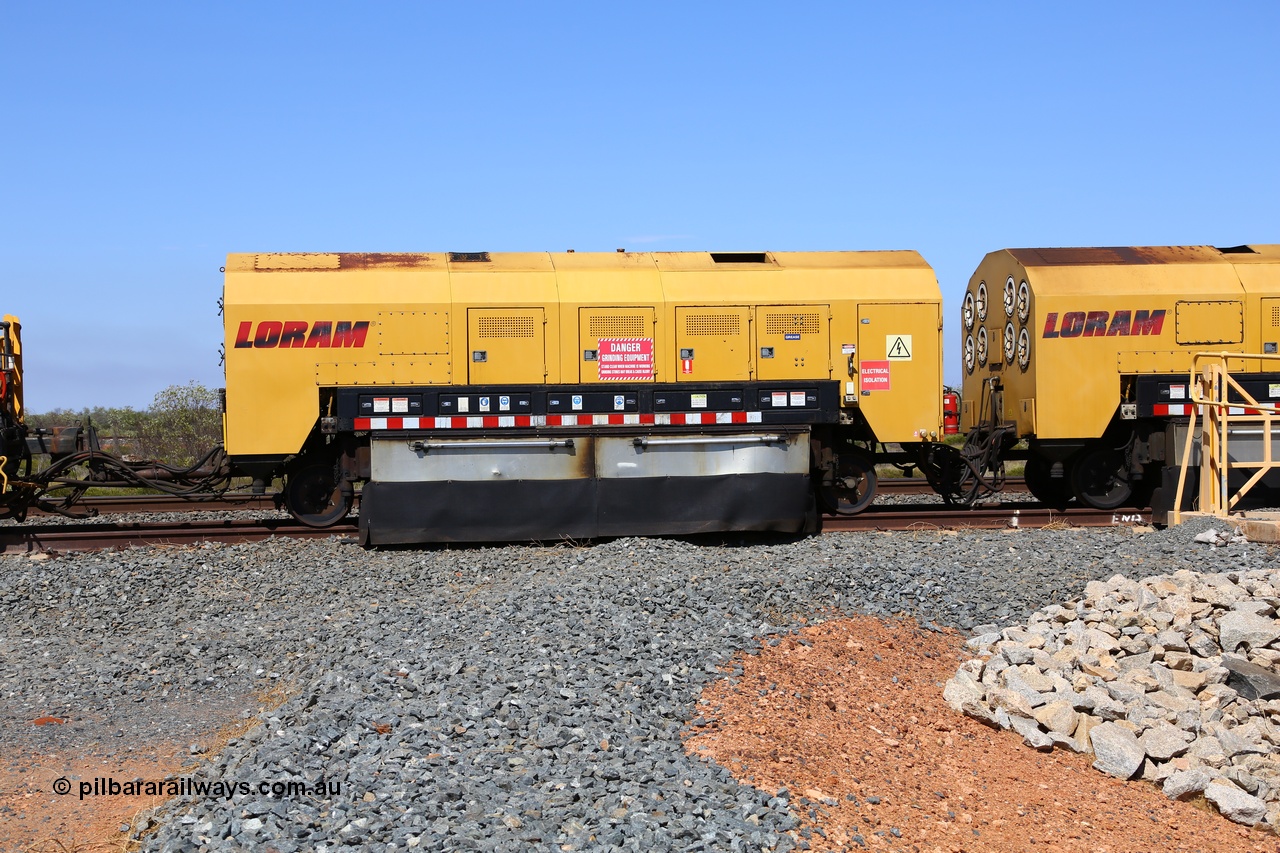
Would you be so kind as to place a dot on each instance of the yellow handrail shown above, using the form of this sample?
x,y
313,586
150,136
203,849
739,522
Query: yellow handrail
x,y
1210,383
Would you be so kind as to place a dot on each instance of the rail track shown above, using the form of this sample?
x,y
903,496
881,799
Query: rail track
x,y
1007,515
105,535
120,504
87,536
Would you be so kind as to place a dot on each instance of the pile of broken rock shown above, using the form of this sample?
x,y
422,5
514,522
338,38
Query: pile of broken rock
x,y
1170,679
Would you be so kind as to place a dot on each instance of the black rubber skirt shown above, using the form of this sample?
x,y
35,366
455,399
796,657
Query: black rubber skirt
x,y
550,510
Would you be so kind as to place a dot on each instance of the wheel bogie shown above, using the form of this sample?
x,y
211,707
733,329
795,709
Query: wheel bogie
x,y
852,485
1049,486
315,494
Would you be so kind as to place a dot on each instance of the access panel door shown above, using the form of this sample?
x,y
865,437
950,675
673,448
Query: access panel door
x,y
1270,332
506,346
616,344
713,344
793,341
899,369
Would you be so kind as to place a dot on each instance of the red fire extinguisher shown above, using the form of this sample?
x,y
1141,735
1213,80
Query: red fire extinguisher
x,y
950,413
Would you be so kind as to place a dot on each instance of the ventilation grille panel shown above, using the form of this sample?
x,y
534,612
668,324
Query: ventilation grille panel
x,y
617,327
784,324
505,327
712,325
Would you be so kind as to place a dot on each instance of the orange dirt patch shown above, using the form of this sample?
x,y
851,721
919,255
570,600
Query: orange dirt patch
x,y
848,716
34,818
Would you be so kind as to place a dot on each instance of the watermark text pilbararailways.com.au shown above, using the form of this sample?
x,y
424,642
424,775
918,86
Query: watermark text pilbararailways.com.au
x,y
185,786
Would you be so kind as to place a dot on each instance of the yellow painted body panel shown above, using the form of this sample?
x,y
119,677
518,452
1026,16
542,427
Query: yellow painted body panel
x,y
534,316
623,285
595,323
403,331
892,333
793,341
1082,319
1209,323
718,341
506,345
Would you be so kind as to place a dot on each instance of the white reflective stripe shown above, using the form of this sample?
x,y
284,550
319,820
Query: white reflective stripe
x,y
377,423
475,422
600,420
1235,410
664,419
507,421
539,420
631,419
568,420
753,417
724,417
443,423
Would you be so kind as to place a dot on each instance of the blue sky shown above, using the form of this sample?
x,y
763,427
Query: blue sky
x,y
143,142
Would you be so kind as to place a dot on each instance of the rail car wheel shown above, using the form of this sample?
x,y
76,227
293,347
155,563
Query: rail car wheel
x,y
853,487
1100,478
1055,493
314,496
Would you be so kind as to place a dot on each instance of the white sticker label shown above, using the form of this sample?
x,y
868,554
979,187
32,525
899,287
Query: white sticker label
x,y
851,387
1273,390
577,402
381,405
464,404
897,347
697,401
848,349
399,404
504,404
797,398
1177,392
484,404
619,402
779,399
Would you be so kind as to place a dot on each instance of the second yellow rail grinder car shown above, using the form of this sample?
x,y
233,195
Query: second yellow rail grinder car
x,y
1091,349
338,362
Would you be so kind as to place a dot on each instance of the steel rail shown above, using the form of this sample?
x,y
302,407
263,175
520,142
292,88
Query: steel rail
x,y
118,504
1009,515
35,538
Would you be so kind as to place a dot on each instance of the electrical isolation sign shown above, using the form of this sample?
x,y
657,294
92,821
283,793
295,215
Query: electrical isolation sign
x,y
874,375
625,358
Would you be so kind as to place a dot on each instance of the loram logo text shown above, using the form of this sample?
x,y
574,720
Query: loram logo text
x,y
301,333
1098,324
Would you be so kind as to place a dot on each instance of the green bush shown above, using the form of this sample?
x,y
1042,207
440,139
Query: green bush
x,y
181,425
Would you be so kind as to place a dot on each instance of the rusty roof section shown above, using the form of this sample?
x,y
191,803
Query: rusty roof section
x,y
1117,255
310,261
371,260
